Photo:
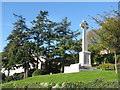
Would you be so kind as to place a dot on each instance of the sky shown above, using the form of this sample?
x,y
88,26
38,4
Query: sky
x,y
75,11
59,0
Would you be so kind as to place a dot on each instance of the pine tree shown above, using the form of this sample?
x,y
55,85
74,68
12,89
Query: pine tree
x,y
49,39
38,34
43,36
19,53
64,35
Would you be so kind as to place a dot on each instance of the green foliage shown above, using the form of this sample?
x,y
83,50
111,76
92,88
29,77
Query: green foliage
x,y
52,66
18,50
98,83
14,77
38,34
118,57
108,36
106,66
30,72
103,58
53,40
2,80
18,76
93,40
110,28
9,78
38,72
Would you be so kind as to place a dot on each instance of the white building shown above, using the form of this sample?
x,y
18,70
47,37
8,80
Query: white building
x,y
21,69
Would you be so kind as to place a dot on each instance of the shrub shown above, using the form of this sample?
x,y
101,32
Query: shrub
x,y
38,72
9,78
31,72
106,66
3,77
18,76
98,83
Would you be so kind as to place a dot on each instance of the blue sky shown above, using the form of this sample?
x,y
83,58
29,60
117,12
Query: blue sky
x,y
75,11
59,0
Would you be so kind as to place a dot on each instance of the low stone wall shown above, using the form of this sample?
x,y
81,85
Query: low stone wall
x,y
72,68
77,68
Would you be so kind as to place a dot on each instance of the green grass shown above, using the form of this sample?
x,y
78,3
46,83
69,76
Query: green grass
x,y
85,76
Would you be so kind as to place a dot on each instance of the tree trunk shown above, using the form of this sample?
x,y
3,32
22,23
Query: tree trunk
x,y
62,68
37,64
8,72
38,41
115,63
26,71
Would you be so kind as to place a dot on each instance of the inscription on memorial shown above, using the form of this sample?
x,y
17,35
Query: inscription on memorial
x,y
86,59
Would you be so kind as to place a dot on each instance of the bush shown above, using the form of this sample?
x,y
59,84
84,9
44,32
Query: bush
x,y
18,76
3,77
38,72
106,66
31,72
9,78
98,83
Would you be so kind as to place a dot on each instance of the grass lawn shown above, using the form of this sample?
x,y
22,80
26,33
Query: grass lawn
x,y
85,76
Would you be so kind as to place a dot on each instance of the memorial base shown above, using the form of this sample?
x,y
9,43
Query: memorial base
x,y
85,58
77,68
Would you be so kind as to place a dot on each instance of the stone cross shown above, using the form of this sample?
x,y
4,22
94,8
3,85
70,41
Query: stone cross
x,y
84,25
85,55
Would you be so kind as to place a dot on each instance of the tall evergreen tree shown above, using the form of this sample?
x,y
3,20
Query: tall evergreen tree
x,y
19,53
64,36
49,39
43,36
5,62
38,33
